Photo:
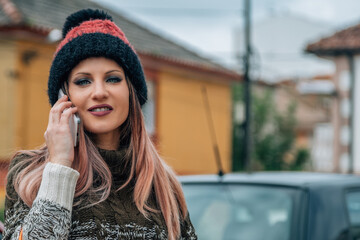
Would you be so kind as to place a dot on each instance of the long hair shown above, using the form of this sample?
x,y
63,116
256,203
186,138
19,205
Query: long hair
x,y
147,170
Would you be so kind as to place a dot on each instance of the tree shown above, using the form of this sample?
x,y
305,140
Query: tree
x,y
273,136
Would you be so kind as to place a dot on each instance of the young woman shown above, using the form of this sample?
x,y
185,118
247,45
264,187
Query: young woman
x,y
113,184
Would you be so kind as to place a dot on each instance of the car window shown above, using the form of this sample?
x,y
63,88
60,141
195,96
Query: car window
x,y
241,212
353,207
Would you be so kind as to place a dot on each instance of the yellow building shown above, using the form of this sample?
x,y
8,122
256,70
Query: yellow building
x,y
180,83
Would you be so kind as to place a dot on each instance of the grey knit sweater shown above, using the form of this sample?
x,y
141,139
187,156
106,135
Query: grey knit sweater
x,y
52,215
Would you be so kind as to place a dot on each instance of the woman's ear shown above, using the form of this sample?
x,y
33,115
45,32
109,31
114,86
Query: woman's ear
x,y
65,88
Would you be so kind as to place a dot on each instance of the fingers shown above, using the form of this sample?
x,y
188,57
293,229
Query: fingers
x,y
65,116
60,100
61,125
57,109
53,109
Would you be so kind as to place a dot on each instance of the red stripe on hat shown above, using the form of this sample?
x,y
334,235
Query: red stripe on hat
x,y
94,26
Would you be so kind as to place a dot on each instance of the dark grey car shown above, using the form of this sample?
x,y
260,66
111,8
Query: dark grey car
x,y
274,206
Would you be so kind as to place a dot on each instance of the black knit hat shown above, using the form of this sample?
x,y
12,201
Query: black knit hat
x,y
92,33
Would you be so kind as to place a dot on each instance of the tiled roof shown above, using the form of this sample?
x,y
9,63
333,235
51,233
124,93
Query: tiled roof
x,y
345,41
51,14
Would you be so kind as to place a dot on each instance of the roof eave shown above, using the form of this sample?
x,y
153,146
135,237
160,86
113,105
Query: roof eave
x,y
24,32
225,74
333,51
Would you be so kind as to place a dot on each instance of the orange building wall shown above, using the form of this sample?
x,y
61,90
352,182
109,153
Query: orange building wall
x,y
7,85
7,126
32,109
183,131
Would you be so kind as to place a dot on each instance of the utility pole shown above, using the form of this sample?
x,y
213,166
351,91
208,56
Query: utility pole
x,y
247,144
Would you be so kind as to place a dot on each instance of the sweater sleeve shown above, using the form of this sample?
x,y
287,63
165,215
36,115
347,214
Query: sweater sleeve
x,y
50,214
187,229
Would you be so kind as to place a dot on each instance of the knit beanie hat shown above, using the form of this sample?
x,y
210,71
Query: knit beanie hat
x,y
92,33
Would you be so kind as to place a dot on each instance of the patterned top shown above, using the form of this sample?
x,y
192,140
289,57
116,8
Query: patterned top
x,y
115,218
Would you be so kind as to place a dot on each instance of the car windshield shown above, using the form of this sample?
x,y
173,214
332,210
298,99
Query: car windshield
x,y
241,212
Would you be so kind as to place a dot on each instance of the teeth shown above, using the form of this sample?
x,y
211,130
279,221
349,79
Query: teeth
x,y
100,109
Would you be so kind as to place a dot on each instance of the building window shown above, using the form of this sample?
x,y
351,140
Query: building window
x,y
344,80
344,162
345,108
345,135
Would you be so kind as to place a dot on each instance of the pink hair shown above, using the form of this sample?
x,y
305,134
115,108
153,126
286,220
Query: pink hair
x,y
147,168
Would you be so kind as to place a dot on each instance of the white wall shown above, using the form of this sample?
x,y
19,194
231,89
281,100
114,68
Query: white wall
x,y
322,148
356,119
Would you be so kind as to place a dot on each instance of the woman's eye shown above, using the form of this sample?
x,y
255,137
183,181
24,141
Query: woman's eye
x,y
113,79
81,82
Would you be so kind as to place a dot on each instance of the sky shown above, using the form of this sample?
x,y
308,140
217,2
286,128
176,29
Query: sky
x,y
208,27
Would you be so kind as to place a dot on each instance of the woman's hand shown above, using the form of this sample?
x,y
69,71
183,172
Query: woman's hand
x,y
57,136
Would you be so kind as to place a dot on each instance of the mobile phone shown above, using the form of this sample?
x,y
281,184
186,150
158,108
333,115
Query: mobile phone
x,y
74,123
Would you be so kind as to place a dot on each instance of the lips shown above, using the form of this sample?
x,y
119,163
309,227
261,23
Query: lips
x,y
100,110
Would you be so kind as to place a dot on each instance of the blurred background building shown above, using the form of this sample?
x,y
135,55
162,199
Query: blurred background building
x,y
343,49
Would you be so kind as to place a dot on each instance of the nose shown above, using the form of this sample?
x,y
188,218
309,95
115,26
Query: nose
x,y
100,91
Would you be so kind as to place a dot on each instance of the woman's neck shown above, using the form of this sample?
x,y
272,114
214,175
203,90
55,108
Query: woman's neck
x,y
107,141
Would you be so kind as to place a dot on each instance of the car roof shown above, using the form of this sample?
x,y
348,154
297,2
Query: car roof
x,y
293,179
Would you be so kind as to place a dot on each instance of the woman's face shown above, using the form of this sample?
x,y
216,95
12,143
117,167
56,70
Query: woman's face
x,y
98,88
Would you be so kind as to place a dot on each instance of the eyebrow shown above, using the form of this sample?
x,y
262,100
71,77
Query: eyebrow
x,y
114,71
85,73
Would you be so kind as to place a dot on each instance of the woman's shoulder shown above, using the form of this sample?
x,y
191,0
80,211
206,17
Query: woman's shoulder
x,y
17,163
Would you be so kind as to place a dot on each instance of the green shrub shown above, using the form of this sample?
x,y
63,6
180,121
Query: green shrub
x,y
273,136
